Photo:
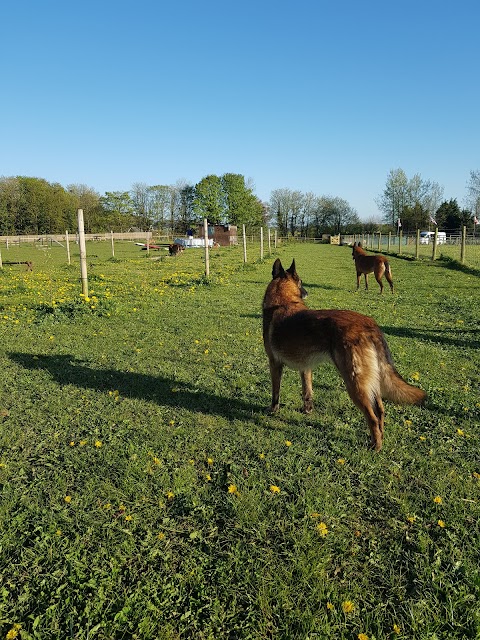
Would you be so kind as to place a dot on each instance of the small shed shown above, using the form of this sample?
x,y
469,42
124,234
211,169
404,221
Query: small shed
x,y
224,235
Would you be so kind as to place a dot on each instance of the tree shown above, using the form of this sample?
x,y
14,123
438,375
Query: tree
x,y
119,210
408,198
87,199
395,196
449,216
241,204
280,207
208,202
473,188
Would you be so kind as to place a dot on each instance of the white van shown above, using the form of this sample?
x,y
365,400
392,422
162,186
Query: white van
x,y
427,236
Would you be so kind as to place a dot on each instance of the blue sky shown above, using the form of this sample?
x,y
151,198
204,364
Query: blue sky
x,y
326,97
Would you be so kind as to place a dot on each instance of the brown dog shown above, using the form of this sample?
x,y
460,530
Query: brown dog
x,y
301,338
375,264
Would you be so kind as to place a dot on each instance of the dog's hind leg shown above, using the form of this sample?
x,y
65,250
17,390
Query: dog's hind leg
x,y
307,392
276,370
388,276
379,275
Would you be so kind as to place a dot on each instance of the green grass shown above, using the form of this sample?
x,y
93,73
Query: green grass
x,y
137,457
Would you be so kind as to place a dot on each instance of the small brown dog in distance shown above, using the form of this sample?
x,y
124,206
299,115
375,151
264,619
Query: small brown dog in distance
x,y
375,264
301,338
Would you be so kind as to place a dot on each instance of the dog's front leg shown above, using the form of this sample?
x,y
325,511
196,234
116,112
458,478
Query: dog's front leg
x,y
276,370
307,392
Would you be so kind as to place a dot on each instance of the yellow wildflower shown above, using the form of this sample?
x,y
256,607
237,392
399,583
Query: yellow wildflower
x,y
274,488
341,461
438,500
362,636
396,628
322,528
128,518
288,443
210,461
68,499
348,606
170,495
441,523
330,606
232,488
98,444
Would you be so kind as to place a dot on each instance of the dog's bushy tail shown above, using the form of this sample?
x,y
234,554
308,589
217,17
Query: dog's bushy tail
x,y
393,386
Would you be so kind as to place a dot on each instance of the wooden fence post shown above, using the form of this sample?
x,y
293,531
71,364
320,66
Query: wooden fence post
x,y
83,252
261,243
67,242
113,245
435,240
400,235
464,242
207,258
389,243
244,245
417,245
269,242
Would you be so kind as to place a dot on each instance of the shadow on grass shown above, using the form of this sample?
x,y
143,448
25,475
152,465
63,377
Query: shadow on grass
x,y
66,369
435,335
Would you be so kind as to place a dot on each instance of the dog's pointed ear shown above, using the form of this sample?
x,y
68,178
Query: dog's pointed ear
x,y
359,244
278,271
292,270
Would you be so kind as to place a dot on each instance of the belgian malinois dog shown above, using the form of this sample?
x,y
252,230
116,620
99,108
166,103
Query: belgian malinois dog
x,y
375,264
301,338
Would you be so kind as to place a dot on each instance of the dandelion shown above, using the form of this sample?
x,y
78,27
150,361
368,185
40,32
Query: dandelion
x,y
208,477
82,443
460,432
156,460
362,636
441,524
161,535
288,443
341,461
476,475
274,488
72,443
58,532
411,519
210,461
170,495
348,606
98,444
262,456
322,529
68,499
128,518
13,633
396,629
330,606
438,500
415,376
232,488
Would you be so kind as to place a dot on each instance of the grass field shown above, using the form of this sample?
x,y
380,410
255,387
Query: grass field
x,y
147,493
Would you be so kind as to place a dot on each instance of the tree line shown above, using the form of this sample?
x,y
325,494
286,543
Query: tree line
x,y
34,206
417,203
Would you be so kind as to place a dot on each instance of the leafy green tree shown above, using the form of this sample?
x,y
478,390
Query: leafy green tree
x,y
88,199
414,217
119,210
449,216
208,202
241,205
